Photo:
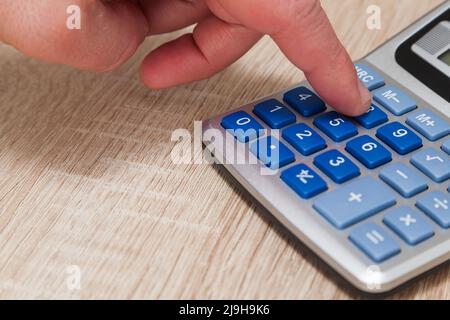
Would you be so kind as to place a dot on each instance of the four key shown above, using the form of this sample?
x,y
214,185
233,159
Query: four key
x,y
375,242
372,118
404,180
354,202
429,124
367,150
408,224
304,139
304,101
336,126
304,181
274,113
435,164
273,153
242,126
437,206
399,138
336,166
395,100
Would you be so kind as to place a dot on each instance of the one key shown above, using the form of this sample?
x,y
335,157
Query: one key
x,y
375,242
408,224
304,181
273,153
435,164
242,126
395,100
274,113
369,77
304,101
429,124
437,206
367,150
304,139
372,118
336,166
399,138
354,202
404,180
446,146
336,126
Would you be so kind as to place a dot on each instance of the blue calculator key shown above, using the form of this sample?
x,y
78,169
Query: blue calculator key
x,y
395,100
354,202
304,101
399,138
406,181
429,124
274,113
369,77
374,241
336,166
304,139
242,126
408,225
336,126
435,164
368,151
273,153
437,206
446,146
304,181
372,118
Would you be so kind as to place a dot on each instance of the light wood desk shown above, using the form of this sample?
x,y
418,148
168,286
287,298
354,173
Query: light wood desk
x,y
86,180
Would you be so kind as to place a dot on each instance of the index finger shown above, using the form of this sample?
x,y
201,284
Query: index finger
x,y
303,32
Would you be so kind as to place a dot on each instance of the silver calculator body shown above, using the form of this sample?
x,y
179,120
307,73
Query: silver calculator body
x,y
398,62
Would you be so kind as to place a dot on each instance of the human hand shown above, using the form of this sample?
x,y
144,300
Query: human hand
x,y
111,31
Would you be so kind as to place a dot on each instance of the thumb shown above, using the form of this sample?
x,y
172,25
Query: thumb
x,y
108,34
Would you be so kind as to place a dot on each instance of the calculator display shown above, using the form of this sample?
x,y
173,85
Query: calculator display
x,y
445,57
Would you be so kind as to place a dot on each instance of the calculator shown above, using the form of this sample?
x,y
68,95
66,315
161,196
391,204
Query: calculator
x,y
369,195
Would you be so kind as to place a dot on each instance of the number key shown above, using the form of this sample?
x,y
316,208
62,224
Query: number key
x,y
304,139
399,138
367,150
304,101
242,126
274,113
336,166
372,118
336,126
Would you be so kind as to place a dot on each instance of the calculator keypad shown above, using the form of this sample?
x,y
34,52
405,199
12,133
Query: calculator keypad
x,y
339,181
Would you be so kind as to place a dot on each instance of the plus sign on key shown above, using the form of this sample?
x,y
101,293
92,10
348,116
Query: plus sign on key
x,y
354,202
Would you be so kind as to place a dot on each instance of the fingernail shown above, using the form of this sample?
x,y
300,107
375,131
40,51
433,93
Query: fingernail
x,y
366,97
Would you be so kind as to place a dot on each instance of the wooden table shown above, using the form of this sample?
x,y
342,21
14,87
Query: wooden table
x,y
88,191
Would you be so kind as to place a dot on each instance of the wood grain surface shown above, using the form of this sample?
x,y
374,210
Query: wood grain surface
x,y
87,184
